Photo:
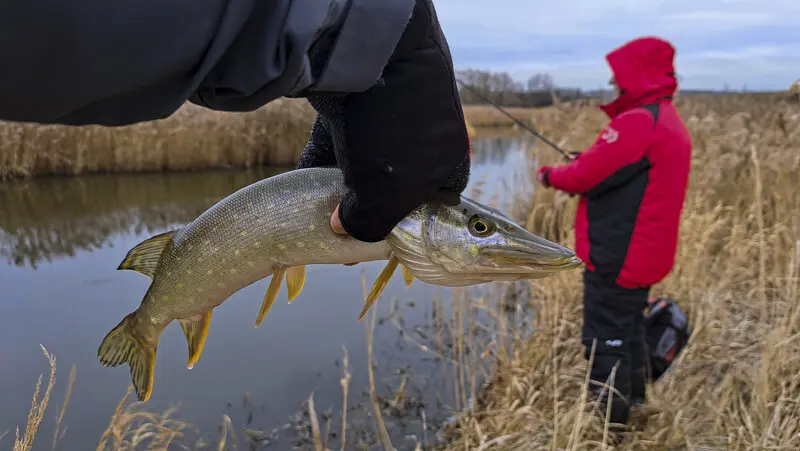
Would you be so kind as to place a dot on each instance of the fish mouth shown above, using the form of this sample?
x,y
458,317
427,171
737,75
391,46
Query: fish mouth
x,y
534,255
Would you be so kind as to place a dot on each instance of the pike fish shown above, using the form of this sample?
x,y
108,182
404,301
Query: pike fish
x,y
279,225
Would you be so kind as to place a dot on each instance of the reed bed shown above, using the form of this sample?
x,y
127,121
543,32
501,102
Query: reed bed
x,y
737,384
193,138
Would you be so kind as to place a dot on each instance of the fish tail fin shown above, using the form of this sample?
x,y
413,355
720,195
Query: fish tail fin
x,y
121,345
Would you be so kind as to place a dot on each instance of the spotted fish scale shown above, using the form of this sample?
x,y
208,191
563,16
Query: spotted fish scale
x,y
279,225
280,222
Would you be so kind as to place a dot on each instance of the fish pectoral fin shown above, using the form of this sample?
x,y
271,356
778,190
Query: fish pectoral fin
x,y
350,264
295,280
120,346
407,276
144,257
271,294
195,328
379,285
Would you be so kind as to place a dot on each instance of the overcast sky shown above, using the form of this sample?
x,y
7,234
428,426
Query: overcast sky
x,y
739,42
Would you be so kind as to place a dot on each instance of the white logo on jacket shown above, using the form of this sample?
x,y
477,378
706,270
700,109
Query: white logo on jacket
x,y
609,135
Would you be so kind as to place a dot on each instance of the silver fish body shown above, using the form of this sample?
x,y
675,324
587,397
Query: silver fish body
x,y
279,222
279,225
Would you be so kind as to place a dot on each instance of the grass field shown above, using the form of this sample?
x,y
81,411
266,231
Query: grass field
x,y
737,384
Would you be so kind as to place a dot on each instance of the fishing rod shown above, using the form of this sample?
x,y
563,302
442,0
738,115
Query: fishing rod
x,y
516,121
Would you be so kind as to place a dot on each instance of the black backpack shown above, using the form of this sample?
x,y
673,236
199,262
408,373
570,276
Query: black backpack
x,y
666,334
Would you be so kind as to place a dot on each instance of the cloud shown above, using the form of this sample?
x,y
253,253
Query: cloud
x,y
736,42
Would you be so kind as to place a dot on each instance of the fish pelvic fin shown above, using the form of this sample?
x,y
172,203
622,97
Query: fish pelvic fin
x,y
195,329
379,285
295,280
144,257
271,294
122,345
408,278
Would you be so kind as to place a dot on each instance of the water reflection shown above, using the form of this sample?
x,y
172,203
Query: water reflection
x,y
64,237
54,217
44,219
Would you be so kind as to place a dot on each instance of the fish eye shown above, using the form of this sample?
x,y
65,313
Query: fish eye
x,y
480,227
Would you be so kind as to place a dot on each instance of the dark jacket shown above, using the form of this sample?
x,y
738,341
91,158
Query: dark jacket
x,y
633,179
85,62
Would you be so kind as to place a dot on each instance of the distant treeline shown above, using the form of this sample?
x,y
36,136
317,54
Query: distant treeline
x,y
540,90
499,87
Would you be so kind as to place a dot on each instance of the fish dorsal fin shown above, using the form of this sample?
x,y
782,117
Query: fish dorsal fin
x,y
144,257
379,285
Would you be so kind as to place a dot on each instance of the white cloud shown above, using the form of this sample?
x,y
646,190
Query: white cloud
x,y
751,42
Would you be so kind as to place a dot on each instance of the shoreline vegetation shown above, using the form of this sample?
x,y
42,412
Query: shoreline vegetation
x,y
196,138
735,386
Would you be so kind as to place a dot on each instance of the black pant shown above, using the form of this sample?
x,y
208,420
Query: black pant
x,y
613,316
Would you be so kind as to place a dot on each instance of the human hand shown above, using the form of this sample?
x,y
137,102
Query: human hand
x,y
541,176
336,223
385,185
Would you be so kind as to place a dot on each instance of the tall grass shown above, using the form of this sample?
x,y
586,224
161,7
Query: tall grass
x,y
736,385
192,138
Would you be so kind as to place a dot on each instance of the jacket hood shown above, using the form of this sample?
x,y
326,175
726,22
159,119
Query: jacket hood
x,y
644,70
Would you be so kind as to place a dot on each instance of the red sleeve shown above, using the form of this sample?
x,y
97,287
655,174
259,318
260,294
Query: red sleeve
x,y
621,144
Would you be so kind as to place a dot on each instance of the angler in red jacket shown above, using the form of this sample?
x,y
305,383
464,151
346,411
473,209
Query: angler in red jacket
x,y
632,182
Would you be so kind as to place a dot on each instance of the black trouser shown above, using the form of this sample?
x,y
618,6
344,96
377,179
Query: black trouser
x,y
613,316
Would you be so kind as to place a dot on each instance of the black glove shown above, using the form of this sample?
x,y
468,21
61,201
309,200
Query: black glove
x,y
401,143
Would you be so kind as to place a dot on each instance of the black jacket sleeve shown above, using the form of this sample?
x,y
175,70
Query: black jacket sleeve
x,y
84,62
402,142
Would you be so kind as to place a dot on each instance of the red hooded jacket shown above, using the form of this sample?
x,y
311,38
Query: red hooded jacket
x,y
632,180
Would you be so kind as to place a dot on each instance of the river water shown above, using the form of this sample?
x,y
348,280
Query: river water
x,y
61,240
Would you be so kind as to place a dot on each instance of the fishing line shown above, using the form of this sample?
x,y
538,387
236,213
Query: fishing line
x,y
516,121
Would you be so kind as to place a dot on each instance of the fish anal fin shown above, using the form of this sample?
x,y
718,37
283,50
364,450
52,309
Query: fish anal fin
x,y
271,294
407,276
144,257
121,345
195,328
379,285
295,279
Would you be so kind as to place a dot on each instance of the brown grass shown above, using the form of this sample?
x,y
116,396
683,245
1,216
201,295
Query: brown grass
x,y
193,138
479,116
737,385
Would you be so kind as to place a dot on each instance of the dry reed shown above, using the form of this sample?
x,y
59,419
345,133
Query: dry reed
x,y
737,384
193,138
369,326
345,383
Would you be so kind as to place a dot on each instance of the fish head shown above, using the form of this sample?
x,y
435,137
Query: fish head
x,y
471,243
